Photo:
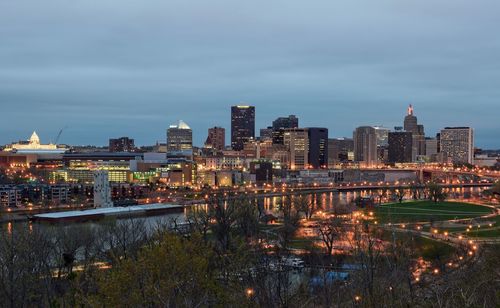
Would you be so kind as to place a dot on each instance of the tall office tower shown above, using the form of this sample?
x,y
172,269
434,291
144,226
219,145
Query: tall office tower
x,y
410,122
431,147
365,145
102,191
382,136
282,123
400,147
411,125
458,144
297,142
179,138
339,150
318,147
266,133
242,126
123,144
216,138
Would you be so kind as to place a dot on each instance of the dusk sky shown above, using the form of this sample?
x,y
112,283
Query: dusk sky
x,y
131,68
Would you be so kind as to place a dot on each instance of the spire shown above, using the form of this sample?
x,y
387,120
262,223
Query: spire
x,y
410,110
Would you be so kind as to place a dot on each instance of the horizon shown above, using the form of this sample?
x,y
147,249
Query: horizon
x,y
199,138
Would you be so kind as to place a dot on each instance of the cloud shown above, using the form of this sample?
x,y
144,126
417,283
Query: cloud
x,y
111,68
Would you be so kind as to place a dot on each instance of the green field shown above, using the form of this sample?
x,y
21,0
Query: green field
x,y
429,249
485,233
424,211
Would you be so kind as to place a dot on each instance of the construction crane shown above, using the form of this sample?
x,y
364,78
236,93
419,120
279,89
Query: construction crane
x,y
59,135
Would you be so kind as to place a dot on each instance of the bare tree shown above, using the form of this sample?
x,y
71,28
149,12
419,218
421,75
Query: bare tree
x,y
330,230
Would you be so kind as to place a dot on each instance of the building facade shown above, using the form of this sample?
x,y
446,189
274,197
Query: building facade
x,y
242,126
400,147
297,142
216,138
279,126
411,125
340,150
122,144
365,145
458,144
179,138
318,147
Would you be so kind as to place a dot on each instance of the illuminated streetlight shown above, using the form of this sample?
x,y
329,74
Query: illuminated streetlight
x,y
249,292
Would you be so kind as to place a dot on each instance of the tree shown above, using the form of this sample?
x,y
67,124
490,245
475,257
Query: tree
x,y
496,188
247,218
398,194
224,216
291,221
382,192
199,220
304,204
174,273
330,230
436,192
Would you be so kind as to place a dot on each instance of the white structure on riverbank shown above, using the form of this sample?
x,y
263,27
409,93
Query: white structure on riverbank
x,y
102,191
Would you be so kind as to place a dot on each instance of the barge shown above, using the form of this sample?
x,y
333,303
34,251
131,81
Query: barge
x,y
101,213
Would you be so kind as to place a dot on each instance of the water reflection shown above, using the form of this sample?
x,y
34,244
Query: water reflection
x,y
325,200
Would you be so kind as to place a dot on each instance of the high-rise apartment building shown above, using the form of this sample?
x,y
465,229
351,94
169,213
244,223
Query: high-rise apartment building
x,y
179,138
400,147
365,145
242,126
123,144
297,142
216,138
318,147
458,144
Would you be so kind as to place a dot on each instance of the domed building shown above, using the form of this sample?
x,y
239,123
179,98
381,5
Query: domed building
x,y
33,145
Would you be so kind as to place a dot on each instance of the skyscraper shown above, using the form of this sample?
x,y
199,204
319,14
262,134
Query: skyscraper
x,y
297,142
318,147
458,144
411,125
410,122
216,138
282,123
339,149
242,126
400,147
365,145
382,136
179,138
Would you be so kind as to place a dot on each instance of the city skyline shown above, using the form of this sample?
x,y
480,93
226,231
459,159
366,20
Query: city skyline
x,y
127,69
199,136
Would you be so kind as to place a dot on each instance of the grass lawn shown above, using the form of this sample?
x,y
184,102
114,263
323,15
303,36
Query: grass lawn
x,y
428,249
426,211
493,233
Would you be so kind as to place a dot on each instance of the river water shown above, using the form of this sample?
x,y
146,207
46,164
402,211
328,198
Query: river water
x,y
325,200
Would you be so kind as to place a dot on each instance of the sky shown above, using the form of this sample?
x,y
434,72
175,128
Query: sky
x,y
107,68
